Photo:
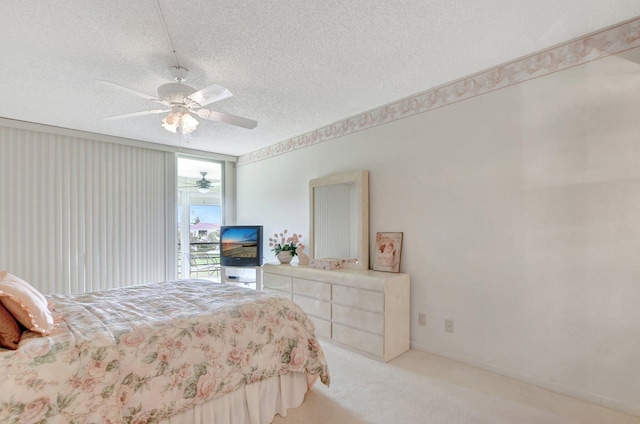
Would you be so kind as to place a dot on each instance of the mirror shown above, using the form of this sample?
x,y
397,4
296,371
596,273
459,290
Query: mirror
x,y
339,221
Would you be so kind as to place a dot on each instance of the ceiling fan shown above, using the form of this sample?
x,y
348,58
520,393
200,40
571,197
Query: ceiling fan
x,y
202,185
181,100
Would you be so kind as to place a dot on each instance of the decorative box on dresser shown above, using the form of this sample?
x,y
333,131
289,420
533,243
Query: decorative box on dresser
x,y
367,311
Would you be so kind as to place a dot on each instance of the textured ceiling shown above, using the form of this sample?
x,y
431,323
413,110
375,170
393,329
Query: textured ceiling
x,y
293,66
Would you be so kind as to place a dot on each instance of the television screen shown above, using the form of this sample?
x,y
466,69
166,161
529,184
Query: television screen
x,y
241,245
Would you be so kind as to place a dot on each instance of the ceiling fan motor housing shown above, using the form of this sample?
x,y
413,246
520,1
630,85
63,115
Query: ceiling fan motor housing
x,y
203,181
175,93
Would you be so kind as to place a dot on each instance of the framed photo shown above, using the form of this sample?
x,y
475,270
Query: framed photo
x,y
388,251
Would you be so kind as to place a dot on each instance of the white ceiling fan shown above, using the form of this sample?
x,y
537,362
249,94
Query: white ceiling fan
x,y
181,100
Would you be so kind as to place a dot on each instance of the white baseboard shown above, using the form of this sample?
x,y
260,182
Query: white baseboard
x,y
545,384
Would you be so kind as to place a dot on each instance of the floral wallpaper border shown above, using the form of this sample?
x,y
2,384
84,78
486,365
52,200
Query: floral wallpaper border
x,y
595,46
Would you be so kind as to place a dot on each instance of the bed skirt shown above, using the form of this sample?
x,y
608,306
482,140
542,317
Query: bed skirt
x,y
255,403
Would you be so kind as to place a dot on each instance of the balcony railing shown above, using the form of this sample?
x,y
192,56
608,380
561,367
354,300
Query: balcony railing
x,y
204,260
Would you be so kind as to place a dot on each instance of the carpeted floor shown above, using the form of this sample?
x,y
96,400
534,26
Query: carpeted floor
x,y
418,387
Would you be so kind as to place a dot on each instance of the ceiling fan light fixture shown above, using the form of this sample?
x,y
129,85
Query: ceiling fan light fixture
x,y
184,121
203,190
171,121
188,124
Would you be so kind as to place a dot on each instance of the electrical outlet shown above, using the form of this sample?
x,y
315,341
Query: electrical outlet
x,y
448,325
422,319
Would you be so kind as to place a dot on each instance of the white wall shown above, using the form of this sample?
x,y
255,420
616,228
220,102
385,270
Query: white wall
x,y
521,217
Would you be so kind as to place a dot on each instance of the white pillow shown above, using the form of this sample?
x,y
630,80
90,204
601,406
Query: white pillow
x,y
27,305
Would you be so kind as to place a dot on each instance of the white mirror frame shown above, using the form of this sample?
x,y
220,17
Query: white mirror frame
x,y
359,201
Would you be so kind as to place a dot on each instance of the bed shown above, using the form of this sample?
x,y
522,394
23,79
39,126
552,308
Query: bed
x,y
188,351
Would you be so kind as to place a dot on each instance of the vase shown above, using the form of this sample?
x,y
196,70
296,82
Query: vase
x,y
285,256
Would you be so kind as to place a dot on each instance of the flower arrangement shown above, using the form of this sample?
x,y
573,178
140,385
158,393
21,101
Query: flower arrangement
x,y
280,242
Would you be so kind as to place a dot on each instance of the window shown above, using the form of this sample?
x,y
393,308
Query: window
x,y
199,217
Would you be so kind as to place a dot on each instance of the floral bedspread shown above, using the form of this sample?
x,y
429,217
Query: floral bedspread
x,y
142,353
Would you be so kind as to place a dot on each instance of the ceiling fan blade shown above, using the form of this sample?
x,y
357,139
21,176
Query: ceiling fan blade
x,y
133,114
227,118
195,186
210,94
132,91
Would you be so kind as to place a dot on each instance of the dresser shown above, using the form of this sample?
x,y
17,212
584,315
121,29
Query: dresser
x,y
366,311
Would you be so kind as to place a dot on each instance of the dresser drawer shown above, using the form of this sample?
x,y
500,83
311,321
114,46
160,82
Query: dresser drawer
x,y
366,311
323,327
286,295
315,289
277,282
368,321
365,342
363,299
317,308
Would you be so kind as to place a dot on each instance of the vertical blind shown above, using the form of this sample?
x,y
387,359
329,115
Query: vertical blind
x,y
78,215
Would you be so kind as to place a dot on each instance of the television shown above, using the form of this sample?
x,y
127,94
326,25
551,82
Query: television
x,y
241,245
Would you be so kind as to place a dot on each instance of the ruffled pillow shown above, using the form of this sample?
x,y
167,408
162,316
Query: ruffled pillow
x,y
27,305
9,330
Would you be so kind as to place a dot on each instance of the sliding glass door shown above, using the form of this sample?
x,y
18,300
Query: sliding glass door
x,y
199,214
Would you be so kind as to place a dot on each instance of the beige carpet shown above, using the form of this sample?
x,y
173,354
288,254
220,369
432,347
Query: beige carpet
x,y
421,388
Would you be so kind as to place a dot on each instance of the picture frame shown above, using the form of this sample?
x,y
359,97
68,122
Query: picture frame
x,y
388,252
